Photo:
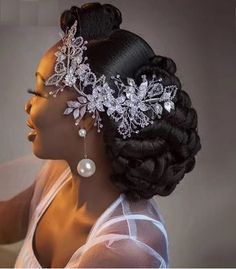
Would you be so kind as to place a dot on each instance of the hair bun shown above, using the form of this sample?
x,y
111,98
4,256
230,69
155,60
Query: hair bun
x,y
68,17
94,20
158,65
164,63
114,15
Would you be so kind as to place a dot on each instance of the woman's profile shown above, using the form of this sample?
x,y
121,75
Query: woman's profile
x,y
116,128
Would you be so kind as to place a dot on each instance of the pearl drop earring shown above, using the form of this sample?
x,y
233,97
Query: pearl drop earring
x,y
86,167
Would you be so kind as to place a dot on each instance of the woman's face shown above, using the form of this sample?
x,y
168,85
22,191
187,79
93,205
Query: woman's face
x,y
55,133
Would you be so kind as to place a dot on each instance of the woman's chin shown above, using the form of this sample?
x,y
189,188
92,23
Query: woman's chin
x,y
37,149
40,154
41,151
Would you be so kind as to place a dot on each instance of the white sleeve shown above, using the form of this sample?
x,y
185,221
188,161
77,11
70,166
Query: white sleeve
x,y
115,251
46,177
17,175
40,181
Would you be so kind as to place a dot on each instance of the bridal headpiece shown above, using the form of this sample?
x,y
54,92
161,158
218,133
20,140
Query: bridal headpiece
x,y
130,106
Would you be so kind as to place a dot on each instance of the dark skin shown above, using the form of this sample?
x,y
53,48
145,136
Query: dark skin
x,y
64,226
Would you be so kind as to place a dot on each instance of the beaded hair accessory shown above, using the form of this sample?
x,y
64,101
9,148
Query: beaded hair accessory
x,y
128,109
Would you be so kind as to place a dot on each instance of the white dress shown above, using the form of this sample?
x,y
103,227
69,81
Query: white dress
x,y
126,234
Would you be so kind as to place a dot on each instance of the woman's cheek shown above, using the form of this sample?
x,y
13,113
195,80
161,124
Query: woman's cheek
x,y
42,116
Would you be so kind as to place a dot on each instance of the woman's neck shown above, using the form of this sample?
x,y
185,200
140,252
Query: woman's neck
x,y
92,195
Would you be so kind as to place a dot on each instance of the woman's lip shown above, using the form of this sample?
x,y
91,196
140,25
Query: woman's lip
x,y
32,134
29,124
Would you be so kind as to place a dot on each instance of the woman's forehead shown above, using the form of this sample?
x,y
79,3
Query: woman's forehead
x,y
46,64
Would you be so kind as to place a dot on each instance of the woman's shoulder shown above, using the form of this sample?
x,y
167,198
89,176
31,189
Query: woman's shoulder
x,y
138,227
133,218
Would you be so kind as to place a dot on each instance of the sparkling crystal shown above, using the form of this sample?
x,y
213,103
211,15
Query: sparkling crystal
x,y
128,109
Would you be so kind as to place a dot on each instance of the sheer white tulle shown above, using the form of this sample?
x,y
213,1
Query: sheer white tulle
x,y
127,234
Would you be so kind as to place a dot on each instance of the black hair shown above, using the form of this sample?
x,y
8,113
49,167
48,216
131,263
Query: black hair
x,y
156,159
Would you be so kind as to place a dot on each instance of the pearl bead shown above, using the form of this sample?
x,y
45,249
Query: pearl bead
x,y
82,132
86,167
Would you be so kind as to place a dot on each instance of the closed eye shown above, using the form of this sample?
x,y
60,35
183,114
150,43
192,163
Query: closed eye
x,y
35,93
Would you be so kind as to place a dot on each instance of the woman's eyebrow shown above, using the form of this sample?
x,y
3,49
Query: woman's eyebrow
x,y
38,74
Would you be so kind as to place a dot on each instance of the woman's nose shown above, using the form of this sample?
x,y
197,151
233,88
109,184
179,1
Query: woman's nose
x,y
28,106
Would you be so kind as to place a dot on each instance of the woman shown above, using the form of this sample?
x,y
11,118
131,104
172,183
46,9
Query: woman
x,y
91,205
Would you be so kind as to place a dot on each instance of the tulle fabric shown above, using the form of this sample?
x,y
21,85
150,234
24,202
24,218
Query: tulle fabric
x,y
18,174
127,234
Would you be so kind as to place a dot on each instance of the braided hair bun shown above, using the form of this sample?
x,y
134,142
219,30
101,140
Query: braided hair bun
x,y
156,159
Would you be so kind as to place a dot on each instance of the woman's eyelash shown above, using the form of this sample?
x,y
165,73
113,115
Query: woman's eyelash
x,y
33,92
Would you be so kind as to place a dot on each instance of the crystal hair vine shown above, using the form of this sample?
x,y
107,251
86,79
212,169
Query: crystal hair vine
x,y
128,109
